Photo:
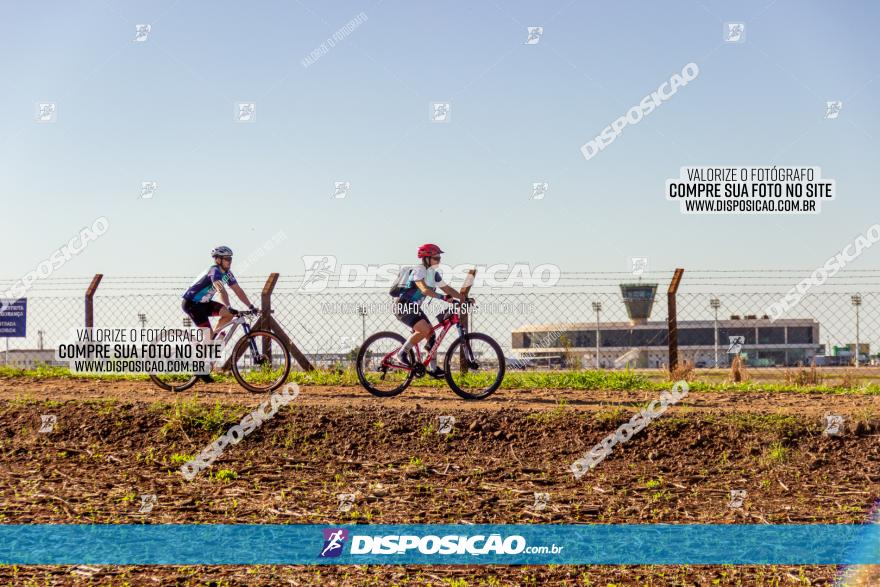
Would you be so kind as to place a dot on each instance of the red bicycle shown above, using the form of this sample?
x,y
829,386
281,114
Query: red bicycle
x,y
474,362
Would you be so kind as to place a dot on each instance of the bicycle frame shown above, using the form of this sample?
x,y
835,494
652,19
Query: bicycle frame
x,y
257,359
446,325
232,328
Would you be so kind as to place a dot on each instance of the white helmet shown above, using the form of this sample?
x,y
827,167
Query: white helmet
x,y
221,252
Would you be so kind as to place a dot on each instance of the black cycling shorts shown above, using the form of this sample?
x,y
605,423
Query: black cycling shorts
x,y
409,313
201,311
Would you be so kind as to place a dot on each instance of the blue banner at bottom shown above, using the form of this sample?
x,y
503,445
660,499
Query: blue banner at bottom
x,y
532,544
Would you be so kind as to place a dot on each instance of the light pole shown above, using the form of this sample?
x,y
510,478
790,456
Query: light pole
x,y
715,303
362,310
40,333
857,301
597,307
143,320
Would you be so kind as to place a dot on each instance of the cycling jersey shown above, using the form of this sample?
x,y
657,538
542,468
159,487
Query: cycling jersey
x,y
432,278
202,289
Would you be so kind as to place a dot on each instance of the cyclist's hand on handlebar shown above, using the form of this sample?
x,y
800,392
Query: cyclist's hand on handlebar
x,y
252,308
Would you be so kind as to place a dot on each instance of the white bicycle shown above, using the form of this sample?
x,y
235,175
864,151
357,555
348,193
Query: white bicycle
x,y
260,361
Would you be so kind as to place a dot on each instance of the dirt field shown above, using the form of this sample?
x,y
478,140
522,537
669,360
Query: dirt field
x,y
115,441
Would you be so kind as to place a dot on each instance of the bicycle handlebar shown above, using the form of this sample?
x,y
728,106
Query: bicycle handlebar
x,y
235,312
458,301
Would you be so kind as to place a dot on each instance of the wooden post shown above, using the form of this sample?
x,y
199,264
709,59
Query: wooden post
x,y
672,319
465,319
294,350
266,306
267,322
90,296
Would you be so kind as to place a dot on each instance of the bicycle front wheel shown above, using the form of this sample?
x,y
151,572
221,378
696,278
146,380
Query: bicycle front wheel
x,y
476,372
260,362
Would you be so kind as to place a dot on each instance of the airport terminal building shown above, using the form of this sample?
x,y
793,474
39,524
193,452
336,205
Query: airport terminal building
x,y
645,344
767,344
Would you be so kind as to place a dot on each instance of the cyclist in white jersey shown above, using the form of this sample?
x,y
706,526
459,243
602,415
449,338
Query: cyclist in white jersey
x,y
197,302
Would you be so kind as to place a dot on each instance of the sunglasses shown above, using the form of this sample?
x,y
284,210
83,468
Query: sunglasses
x,y
435,258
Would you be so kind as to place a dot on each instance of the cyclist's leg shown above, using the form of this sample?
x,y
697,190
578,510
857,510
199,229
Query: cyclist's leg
x,y
421,330
431,340
218,309
433,369
411,314
199,314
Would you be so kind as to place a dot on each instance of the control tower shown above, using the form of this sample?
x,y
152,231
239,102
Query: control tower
x,y
639,300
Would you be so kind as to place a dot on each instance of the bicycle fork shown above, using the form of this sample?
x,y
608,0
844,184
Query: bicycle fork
x,y
466,346
253,344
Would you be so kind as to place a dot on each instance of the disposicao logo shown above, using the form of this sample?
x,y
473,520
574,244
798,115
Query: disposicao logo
x,y
410,545
473,545
334,541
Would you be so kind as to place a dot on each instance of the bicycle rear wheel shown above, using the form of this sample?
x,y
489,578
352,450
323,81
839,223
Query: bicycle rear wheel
x,y
260,362
174,381
481,371
374,373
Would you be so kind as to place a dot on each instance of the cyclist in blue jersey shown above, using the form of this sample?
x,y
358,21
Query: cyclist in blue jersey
x,y
197,302
421,284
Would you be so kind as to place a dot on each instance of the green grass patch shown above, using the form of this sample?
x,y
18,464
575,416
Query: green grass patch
x,y
189,414
178,459
763,422
577,379
765,386
545,417
776,454
611,415
612,380
55,372
226,475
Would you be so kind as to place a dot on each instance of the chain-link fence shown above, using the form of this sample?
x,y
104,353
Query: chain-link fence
x,y
583,320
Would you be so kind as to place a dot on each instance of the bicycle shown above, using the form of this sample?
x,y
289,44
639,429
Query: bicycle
x,y
474,362
253,360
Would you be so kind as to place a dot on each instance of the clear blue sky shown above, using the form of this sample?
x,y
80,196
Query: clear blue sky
x,y
163,110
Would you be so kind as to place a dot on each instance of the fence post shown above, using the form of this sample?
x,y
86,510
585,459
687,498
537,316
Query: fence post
x,y
266,307
672,319
267,322
271,324
90,296
294,350
465,319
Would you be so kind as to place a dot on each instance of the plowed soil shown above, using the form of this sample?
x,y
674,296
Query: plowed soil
x,y
116,441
